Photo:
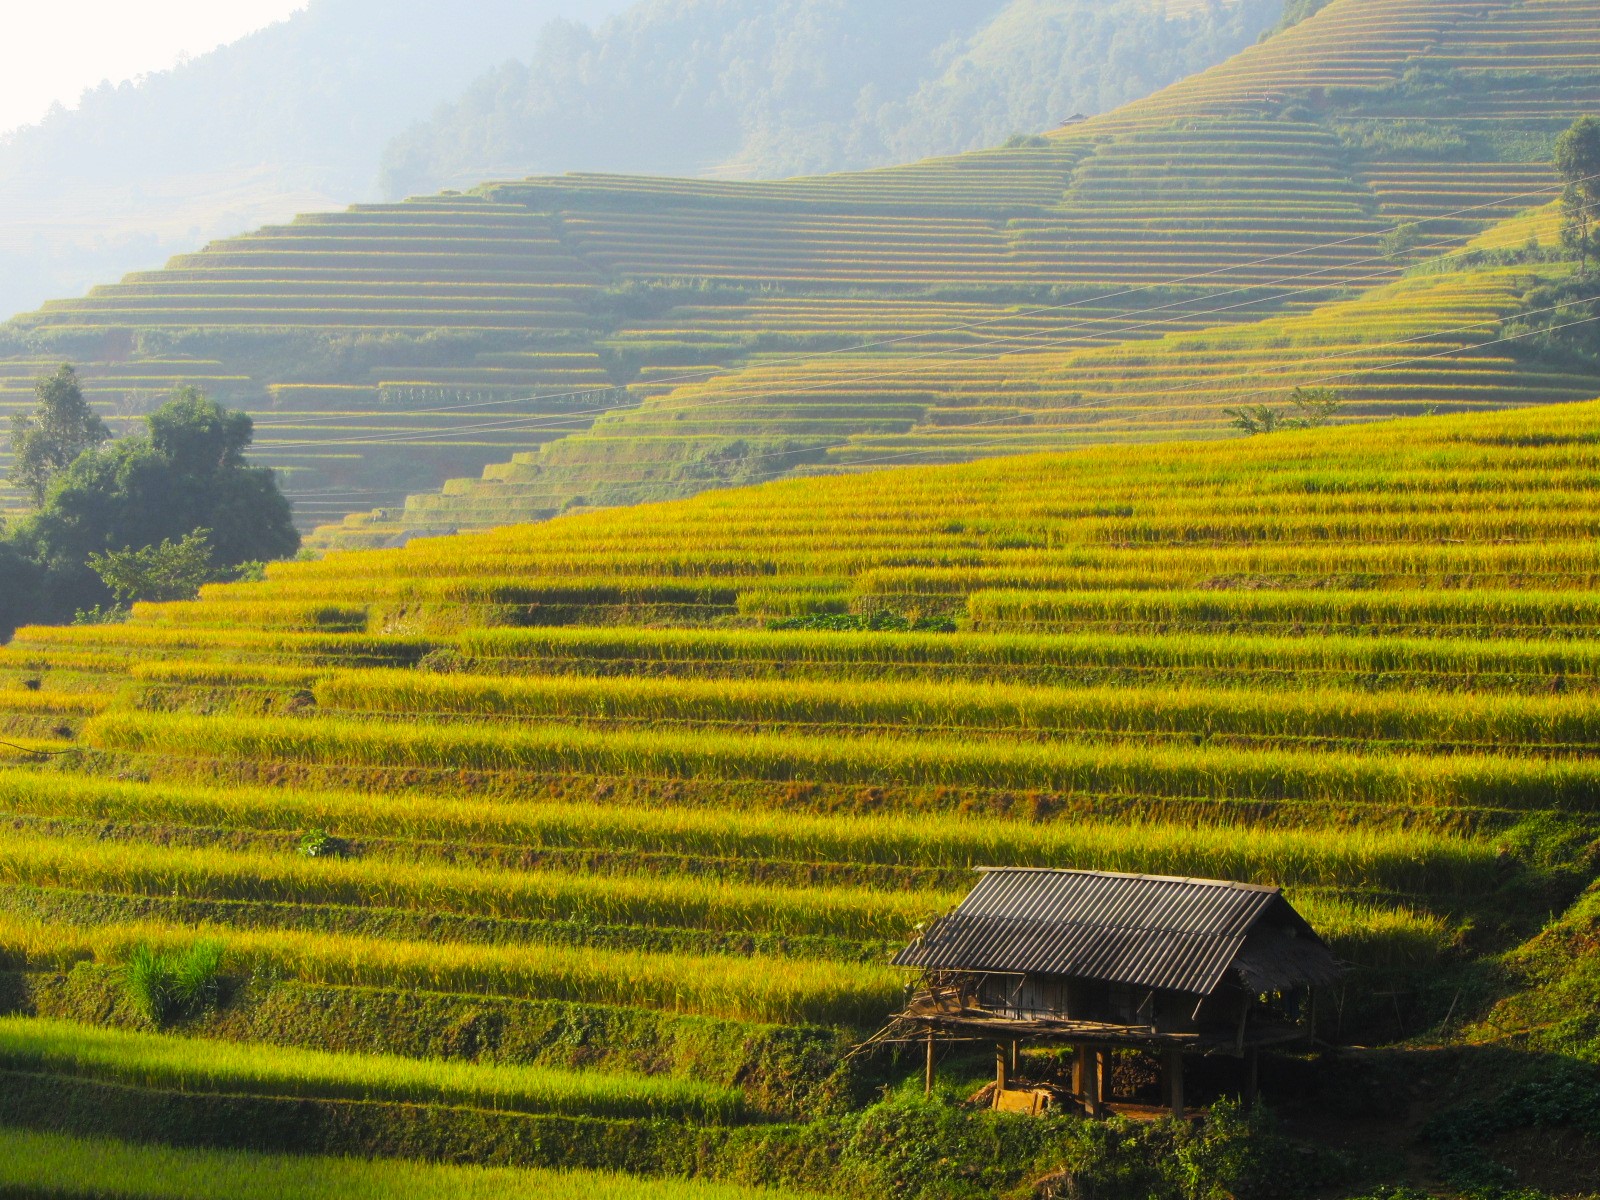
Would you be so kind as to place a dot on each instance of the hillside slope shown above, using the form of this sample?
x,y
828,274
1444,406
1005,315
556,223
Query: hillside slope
x,y
758,90
924,304
289,119
620,815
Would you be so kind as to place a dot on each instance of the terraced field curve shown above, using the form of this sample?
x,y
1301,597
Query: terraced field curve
x,y
607,826
894,312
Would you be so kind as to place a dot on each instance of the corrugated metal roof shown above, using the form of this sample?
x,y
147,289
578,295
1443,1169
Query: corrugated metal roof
x,y
1141,930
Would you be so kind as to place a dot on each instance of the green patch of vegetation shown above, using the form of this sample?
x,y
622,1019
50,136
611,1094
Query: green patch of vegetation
x,y
165,985
39,1164
878,621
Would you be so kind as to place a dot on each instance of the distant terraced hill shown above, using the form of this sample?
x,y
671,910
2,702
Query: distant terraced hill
x,y
598,339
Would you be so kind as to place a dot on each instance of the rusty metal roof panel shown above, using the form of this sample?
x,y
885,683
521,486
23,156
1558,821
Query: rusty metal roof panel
x,y
1141,930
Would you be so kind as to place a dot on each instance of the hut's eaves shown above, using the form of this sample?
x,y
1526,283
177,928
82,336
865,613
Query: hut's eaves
x,y
1142,930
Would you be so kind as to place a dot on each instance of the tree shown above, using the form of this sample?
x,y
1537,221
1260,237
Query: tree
x,y
1262,418
170,571
19,588
1309,408
61,426
1578,161
186,473
1314,407
1400,241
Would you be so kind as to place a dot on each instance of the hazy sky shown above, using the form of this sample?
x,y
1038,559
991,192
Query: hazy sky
x,y
52,51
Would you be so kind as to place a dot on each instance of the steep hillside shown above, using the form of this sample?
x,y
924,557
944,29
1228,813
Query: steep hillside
x,y
752,89
606,826
289,119
884,316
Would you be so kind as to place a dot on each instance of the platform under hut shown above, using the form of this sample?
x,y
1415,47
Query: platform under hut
x,y
1100,961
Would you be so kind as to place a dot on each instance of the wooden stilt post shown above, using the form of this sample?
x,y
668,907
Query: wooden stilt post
x,y
1252,1076
1103,1074
927,1082
1015,1053
1086,1080
1175,1081
1000,1066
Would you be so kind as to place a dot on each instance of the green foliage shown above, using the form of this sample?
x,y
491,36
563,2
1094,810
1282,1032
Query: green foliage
x,y
880,620
789,1070
1258,418
649,298
1558,321
102,614
1402,140
811,86
1577,159
20,596
165,985
1564,1095
907,1148
319,843
138,508
170,571
1400,241
197,436
147,979
1309,408
1294,12
197,977
61,426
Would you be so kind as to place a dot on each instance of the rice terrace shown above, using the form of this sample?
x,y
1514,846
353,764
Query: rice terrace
x,y
1062,669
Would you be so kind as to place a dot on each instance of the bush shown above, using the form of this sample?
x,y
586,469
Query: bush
x,y
196,980
319,843
102,614
163,987
146,978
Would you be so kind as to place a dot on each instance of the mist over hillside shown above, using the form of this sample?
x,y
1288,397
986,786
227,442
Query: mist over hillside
x,y
297,116
755,89
291,117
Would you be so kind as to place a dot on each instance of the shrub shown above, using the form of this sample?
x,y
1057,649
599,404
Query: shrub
x,y
196,977
165,986
146,977
319,843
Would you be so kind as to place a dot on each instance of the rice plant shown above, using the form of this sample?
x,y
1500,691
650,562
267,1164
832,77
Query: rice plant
x,y
36,1162
202,1065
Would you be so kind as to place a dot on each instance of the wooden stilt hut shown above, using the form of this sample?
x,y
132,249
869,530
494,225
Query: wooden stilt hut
x,y
1099,961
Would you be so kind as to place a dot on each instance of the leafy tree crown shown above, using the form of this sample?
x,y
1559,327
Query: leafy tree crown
x,y
46,440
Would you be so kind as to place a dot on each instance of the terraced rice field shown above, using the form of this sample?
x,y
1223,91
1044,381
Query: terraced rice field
x,y
618,818
902,314
1436,341
90,1166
